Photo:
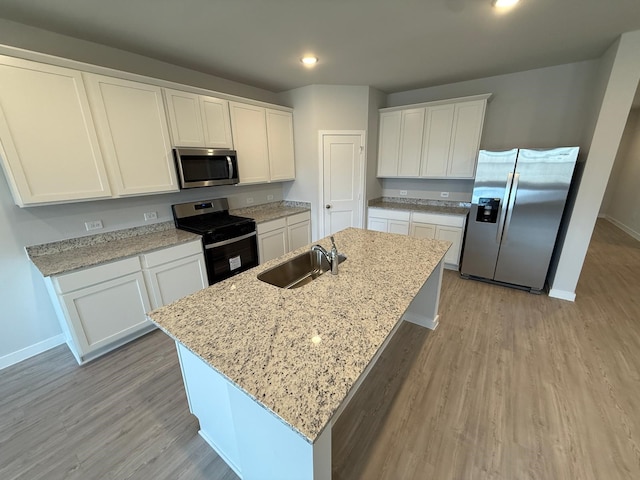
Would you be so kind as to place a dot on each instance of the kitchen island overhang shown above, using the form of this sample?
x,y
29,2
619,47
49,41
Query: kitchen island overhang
x,y
268,370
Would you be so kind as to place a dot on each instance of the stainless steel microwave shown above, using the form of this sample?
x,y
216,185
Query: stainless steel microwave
x,y
206,167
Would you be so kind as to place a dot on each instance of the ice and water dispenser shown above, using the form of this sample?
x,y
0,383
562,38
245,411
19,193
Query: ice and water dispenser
x,y
488,210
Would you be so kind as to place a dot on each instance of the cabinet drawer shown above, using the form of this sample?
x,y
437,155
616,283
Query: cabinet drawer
x,y
153,259
265,227
389,214
298,217
438,219
92,275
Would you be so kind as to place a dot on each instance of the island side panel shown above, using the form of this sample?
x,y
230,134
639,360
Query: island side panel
x,y
423,309
272,450
209,402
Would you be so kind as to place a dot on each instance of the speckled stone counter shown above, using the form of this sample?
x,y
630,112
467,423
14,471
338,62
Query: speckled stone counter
x,y
299,352
423,206
68,255
272,211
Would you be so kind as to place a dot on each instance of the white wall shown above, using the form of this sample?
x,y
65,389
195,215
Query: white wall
x,y
622,197
537,108
621,85
27,319
316,108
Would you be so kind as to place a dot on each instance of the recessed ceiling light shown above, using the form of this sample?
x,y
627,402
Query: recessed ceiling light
x,y
504,3
309,60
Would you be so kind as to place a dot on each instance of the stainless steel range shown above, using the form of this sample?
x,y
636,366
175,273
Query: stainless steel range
x,y
230,242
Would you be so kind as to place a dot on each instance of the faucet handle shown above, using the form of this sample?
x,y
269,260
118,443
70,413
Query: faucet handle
x,y
333,243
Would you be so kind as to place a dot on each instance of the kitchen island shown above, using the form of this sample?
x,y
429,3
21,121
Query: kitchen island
x,y
267,370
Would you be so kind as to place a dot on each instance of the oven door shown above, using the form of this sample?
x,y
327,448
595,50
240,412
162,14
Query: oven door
x,y
229,257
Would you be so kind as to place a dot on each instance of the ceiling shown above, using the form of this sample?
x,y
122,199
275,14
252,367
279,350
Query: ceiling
x,y
392,45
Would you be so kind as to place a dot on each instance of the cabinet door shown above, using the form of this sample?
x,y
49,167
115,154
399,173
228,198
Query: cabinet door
x,y
437,141
272,244
216,122
185,118
133,131
299,234
423,230
453,235
249,130
398,226
411,133
389,149
176,279
107,312
280,142
377,224
48,143
467,129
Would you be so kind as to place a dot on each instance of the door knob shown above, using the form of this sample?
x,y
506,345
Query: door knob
x,y
327,206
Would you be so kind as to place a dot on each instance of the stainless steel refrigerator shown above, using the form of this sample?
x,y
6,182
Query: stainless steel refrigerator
x,y
518,200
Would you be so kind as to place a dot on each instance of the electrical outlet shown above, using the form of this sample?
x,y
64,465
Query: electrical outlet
x,y
444,194
95,225
403,193
249,200
269,197
150,216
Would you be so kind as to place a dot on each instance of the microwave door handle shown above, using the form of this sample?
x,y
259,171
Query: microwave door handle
x,y
230,163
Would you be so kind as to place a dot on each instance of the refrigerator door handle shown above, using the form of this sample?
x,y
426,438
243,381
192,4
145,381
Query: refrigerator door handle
x,y
503,209
512,201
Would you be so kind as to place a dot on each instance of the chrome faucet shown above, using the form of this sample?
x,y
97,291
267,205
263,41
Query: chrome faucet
x,y
332,256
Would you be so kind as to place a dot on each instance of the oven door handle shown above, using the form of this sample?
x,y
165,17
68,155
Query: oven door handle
x,y
231,240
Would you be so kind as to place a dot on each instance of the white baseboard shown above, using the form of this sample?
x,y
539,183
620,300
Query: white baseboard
x,y
30,351
623,227
562,295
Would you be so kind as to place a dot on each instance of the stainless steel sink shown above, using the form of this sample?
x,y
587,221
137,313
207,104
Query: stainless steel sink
x,y
298,271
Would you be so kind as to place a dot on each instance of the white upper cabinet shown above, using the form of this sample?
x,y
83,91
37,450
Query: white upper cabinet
x,y
389,151
134,135
432,140
48,143
263,139
198,120
280,143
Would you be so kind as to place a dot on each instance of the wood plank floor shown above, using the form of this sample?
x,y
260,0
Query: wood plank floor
x,y
510,386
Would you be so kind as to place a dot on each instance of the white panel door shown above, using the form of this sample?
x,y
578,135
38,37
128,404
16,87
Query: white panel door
x,y
176,279
249,130
437,141
216,122
453,235
412,131
185,118
133,131
342,180
467,128
48,143
104,313
280,141
389,150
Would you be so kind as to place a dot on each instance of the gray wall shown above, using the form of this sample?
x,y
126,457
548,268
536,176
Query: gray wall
x,y
538,108
316,108
622,198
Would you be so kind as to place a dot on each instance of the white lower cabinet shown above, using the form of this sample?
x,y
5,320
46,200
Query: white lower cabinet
x,y
277,237
391,221
422,225
173,273
103,307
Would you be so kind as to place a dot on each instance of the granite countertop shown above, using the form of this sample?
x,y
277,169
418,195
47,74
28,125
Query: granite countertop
x,y
272,211
422,206
260,337
67,255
